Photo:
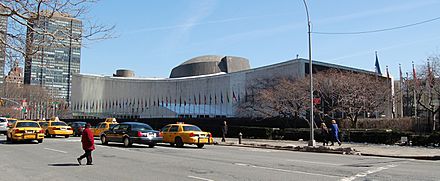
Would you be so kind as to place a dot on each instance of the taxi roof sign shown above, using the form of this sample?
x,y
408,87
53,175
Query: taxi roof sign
x,y
112,120
54,118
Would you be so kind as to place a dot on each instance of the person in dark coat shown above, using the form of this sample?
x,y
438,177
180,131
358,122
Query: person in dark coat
x,y
335,132
325,134
88,145
224,131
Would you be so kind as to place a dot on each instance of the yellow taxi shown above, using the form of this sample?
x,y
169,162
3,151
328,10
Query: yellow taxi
x,y
25,130
55,127
180,134
104,126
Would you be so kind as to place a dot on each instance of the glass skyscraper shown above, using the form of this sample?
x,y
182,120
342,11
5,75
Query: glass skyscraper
x,y
55,55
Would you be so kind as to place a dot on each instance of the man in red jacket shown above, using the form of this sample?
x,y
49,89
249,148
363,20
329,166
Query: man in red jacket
x,y
88,145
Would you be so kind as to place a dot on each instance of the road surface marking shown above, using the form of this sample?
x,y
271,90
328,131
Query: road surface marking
x,y
282,170
111,147
55,150
364,174
162,147
321,163
257,150
199,178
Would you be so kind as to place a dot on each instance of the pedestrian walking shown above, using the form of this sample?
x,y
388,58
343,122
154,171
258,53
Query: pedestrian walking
x,y
325,134
224,131
88,145
335,132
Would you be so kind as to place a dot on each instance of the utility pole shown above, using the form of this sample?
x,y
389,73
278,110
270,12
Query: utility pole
x,y
309,24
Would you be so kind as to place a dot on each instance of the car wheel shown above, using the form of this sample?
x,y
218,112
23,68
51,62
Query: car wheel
x,y
48,134
200,145
172,144
67,136
179,142
7,138
127,142
104,140
151,145
40,141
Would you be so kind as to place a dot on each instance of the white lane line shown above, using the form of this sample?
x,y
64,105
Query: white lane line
x,y
55,150
258,150
288,171
320,163
199,178
364,174
111,147
164,147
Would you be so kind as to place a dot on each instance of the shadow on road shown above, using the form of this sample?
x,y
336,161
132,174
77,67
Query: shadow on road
x,y
18,142
186,146
63,164
122,146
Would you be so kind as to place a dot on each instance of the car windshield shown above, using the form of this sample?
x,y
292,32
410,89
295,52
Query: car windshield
x,y
59,123
141,127
27,124
191,128
2,120
112,126
83,124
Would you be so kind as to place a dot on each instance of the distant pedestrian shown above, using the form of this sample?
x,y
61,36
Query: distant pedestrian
x,y
224,131
335,132
325,134
88,145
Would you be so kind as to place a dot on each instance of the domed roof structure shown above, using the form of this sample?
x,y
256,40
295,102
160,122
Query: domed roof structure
x,y
204,58
210,64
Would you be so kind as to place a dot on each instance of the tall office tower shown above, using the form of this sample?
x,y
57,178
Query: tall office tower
x,y
53,56
3,30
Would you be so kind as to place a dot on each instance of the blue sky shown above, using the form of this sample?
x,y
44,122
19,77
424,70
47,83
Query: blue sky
x,y
155,36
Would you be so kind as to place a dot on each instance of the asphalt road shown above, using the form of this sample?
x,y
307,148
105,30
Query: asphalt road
x,y
55,159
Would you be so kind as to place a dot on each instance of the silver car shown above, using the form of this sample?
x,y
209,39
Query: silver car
x,y
3,125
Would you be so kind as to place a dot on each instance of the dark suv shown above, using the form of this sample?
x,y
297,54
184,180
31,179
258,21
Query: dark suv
x,y
77,127
132,132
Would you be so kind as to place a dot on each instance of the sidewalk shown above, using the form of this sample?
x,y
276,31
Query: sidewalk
x,y
394,151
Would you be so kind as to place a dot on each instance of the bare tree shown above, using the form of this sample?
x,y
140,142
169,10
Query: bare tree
x,y
25,20
427,89
278,97
353,93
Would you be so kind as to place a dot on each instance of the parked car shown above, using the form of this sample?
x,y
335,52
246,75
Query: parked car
x,y
77,127
132,132
104,126
3,125
56,127
180,134
24,130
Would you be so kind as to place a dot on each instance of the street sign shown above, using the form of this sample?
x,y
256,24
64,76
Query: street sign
x,y
316,100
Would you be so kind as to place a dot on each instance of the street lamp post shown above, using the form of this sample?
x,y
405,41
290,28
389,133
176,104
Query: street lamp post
x,y
312,137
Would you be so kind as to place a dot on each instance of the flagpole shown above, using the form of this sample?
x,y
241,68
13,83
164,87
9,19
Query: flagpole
x,y
415,97
401,91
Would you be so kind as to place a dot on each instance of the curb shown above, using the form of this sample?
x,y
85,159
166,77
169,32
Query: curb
x,y
316,149
323,149
432,158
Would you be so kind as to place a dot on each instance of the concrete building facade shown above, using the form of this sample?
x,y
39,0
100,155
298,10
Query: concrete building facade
x,y
54,60
15,76
214,94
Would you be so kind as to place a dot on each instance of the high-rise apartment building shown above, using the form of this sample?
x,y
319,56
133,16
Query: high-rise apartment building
x,y
55,55
3,30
